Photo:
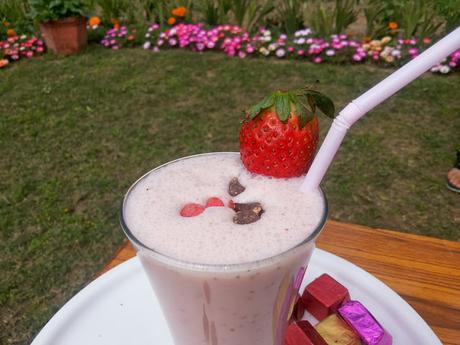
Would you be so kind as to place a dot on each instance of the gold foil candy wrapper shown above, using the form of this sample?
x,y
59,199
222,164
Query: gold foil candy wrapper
x,y
335,331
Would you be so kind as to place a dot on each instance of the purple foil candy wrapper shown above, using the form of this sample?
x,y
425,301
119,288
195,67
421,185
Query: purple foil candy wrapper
x,y
365,325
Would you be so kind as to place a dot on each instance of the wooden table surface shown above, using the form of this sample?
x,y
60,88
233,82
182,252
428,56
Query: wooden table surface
x,y
424,271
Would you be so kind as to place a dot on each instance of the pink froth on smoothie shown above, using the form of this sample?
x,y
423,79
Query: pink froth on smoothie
x,y
222,283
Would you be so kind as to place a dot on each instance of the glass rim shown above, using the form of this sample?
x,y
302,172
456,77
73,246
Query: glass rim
x,y
204,267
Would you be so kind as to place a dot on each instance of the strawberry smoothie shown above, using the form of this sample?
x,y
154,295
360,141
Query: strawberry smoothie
x,y
221,282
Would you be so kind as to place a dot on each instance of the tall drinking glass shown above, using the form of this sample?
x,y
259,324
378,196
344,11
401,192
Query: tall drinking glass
x,y
235,304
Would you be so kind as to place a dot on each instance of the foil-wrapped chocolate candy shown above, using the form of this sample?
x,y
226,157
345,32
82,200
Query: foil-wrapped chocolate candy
x,y
364,324
303,333
336,332
323,296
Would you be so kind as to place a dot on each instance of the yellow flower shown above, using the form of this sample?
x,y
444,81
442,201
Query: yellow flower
x,y
116,24
3,63
392,25
179,11
94,21
389,58
385,40
11,33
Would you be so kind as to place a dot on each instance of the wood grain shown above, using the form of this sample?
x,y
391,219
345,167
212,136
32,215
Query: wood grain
x,y
424,271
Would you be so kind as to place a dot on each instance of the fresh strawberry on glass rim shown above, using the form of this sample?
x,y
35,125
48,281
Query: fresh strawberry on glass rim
x,y
279,135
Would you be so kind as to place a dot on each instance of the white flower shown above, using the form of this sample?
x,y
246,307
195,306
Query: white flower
x,y
444,69
267,33
434,69
280,52
23,37
396,53
272,47
330,52
266,39
300,40
146,45
147,35
172,32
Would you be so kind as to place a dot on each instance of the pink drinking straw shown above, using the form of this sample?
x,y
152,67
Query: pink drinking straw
x,y
373,97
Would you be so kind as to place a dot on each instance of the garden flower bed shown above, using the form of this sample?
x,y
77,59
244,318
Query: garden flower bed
x,y
16,48
233,41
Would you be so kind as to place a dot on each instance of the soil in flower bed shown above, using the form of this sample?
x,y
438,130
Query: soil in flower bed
x,y
76,132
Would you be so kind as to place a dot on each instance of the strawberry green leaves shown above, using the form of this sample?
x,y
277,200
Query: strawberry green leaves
x,y
267,102
318,100
283,105
305,103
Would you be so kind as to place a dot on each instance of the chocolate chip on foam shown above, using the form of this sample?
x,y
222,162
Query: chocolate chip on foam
x,y
235,187
247,213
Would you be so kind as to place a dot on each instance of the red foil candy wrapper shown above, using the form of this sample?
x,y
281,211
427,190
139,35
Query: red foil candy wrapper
x,y
323,296
303,333
364,324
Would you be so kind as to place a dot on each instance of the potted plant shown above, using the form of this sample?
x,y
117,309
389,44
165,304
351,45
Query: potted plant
x,y
62,23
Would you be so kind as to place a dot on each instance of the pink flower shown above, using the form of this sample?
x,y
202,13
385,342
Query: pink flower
x,y
317,59
357,57
300,52
30,54
242,54
290,49
40,49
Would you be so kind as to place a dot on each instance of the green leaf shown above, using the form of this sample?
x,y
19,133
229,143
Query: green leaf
x,y
283,107
267,102
323,102
305,115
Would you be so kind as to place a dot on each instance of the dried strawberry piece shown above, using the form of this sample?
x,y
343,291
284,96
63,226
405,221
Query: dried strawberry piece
x,y
191,210
214,202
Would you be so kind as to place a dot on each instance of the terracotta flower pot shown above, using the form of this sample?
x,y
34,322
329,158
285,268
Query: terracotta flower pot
x,y
65,36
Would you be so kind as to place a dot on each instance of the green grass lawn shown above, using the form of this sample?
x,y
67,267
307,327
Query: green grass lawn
x,y
76,132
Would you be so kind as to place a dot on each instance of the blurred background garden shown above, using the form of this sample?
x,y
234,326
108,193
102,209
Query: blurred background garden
x,y
164,79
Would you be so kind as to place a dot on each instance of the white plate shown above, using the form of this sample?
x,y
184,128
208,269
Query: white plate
x,y
120,308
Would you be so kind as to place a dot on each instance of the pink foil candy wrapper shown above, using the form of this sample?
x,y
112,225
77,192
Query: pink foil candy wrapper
x,y
364,324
